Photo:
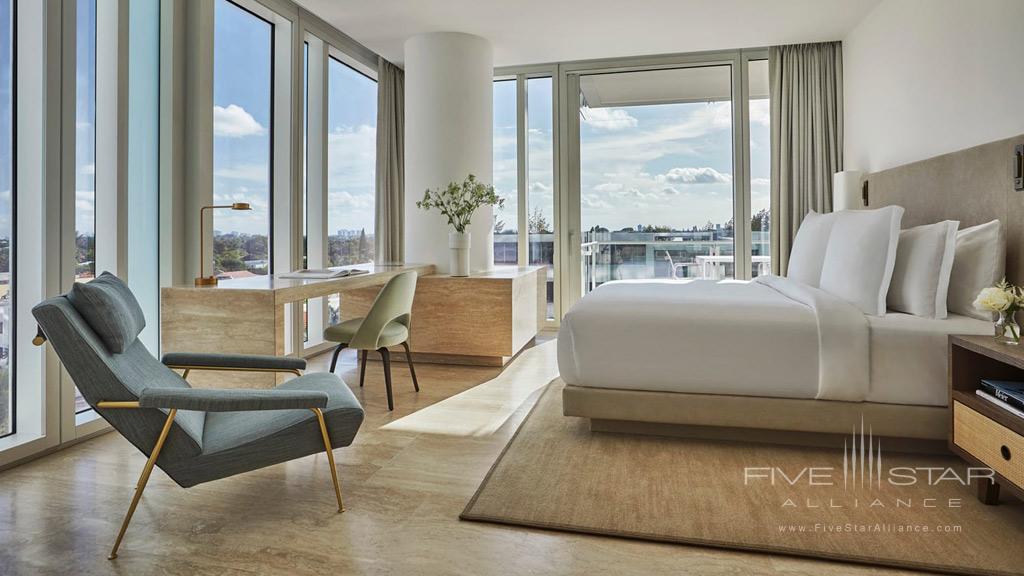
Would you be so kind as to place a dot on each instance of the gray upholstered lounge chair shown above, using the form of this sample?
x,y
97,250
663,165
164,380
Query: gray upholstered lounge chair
x,y
194,435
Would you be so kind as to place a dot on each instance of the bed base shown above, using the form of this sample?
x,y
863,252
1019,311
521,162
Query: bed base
x,y
747,418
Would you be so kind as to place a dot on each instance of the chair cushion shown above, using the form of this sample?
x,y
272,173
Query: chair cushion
x,y
226,430
394,332
110,309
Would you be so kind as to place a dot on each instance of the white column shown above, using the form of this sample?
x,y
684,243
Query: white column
x,y
448,119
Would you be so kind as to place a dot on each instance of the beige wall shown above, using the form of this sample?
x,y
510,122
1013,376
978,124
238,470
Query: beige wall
x,y
926,77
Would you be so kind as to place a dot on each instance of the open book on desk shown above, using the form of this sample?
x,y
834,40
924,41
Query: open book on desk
x,y
325,274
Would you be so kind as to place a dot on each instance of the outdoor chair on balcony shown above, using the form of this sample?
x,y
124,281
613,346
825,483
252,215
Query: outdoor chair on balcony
x,y
679,266
218,432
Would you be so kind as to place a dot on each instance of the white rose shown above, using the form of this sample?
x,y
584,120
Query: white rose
x,y
993,299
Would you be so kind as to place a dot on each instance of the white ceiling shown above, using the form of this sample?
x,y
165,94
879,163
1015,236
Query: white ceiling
x,y
536,31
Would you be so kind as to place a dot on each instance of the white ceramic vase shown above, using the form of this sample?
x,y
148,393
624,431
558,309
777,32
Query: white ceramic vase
x,y
458,244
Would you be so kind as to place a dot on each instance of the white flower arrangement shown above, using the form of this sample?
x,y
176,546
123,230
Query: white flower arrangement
x,y
1006,299
1003,297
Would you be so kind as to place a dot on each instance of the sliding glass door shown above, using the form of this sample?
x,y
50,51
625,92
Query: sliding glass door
x,y
666,169
656,185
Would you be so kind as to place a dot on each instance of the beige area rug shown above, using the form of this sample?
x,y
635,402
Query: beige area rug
x,y
556,474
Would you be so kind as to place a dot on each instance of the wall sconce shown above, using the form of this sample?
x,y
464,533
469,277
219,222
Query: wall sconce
x,y
203,279
846,190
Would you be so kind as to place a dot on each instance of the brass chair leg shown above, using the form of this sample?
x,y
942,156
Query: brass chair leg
x,y
143,479
330,457
184,375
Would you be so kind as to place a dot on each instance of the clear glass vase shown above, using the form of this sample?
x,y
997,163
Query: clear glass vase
x,y
1007,329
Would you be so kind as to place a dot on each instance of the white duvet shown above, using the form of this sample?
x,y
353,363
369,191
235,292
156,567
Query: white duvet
x,y
769,337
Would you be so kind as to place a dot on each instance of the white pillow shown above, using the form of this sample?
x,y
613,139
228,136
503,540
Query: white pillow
x,y
808,253
924,260
860,257
980,262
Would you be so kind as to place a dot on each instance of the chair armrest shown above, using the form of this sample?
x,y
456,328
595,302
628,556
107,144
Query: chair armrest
x,y
231,400
201,361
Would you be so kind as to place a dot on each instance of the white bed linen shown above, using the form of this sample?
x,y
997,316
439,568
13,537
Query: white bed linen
x,y
910,356
770,337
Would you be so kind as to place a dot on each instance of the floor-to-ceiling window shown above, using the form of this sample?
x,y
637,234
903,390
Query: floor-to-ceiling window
x,y
351,169
523,174
656,182
242,120
85,140
760,168
7,414
85,150
541,181
505,173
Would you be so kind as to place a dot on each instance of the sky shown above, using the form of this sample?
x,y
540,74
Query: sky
x,y
6,118
85,118
242,139
665,164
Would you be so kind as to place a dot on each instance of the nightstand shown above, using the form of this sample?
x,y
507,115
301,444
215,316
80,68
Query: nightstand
x,y
980,432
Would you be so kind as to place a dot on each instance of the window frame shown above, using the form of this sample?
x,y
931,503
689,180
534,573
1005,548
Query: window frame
x,y
567,190
12,260
521,74
330,44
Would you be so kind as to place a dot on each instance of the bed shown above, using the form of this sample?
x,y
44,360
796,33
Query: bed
x,y
775,358
770,353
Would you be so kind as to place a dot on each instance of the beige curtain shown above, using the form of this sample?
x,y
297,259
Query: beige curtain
x,y
806,134
390,222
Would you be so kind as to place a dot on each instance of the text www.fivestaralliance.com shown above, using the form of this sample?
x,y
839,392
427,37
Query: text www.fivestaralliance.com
x,y
871,528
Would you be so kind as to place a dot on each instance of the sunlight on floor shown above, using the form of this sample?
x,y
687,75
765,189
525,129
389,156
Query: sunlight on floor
x,y
482,409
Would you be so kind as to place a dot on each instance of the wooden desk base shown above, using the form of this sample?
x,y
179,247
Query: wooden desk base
x,y
482,320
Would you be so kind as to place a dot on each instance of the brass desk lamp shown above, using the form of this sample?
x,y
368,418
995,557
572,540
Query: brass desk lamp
x,y
203,279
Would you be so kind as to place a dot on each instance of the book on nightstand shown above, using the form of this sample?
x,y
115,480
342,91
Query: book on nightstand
x,y
1009,393
992,399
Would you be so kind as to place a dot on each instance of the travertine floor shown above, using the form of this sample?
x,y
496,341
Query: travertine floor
x,y
405,480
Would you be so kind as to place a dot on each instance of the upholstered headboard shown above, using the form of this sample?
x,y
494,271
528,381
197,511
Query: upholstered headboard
x,y
973,186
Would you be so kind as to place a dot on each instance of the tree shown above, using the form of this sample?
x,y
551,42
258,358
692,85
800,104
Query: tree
x,y
761,222
499,225
537,223
362,244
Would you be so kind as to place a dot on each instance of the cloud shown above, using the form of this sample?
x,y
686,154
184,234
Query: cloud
x,y
539,188
348,200
760,112
593,202
704,175
235,122
249,172
608,118
608,187
760,182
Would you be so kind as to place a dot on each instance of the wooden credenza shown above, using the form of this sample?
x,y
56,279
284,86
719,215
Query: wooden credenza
x,y
482,319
